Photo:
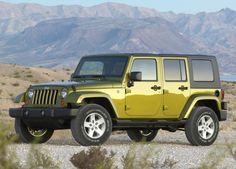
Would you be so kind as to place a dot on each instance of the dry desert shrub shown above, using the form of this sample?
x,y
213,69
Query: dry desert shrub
x,y
16,84
147,159
218,155
37,159
94,158
135,158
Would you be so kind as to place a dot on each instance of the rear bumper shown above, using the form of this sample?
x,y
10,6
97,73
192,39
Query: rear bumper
x,y
223,112
42,113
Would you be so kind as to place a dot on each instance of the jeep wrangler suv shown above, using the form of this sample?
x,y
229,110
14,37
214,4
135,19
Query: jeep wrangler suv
x,y
139,93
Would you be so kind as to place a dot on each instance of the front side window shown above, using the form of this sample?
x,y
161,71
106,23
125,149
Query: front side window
x,y
175,70
202,71
147,67
101,66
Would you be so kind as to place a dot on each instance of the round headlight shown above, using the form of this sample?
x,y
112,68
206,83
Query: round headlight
x,y
30,93
63,93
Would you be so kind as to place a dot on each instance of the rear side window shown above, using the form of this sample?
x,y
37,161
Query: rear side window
x,y
148,68
202,71
175,70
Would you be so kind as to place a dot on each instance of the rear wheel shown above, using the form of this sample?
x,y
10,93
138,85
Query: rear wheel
x,y
92,125
30,135
202,127
142,135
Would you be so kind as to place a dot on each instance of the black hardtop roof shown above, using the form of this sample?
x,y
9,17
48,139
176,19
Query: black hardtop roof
x,y
151,54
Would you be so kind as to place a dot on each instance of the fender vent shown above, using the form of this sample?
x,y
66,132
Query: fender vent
x,y
45,97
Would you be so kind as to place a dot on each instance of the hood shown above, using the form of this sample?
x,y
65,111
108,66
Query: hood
x,y
80,84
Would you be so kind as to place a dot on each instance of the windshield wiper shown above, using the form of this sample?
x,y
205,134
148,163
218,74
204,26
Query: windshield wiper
x,y
90,77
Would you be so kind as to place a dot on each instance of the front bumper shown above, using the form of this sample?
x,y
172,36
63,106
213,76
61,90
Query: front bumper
x,y
43,113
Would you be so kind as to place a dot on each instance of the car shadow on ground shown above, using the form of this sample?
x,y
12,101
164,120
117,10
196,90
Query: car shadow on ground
x,y
116,140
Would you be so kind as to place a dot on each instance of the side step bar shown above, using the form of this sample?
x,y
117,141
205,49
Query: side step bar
x,y
137,124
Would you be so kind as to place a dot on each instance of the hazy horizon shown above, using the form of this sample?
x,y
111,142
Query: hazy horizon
x,y
185,6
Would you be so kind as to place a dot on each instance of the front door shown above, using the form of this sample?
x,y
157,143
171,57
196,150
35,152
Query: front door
x,y
144,98
176,86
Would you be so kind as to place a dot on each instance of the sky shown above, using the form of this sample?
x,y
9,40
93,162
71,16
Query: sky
x,y
178,6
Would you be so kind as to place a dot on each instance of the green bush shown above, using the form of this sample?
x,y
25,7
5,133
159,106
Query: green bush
x,y
5,140
37,159
146,159
218,154
8,159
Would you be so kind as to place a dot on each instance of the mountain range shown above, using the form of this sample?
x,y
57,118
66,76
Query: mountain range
x,y
57,36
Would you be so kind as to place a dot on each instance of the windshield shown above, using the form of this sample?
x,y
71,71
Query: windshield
x,y
112,66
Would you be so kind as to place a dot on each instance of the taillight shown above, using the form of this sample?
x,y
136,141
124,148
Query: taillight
x,y
222,94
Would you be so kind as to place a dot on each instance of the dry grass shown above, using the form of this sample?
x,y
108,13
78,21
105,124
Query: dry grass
x,y
218,155
230,94
230,97
16,79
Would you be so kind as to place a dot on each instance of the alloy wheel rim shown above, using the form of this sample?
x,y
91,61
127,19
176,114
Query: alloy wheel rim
x,y
94,125
37,133
206,127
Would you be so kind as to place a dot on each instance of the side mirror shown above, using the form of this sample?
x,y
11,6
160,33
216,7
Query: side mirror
x,y
136,76
72,76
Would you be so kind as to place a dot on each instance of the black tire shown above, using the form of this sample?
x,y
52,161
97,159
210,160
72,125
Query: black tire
x,y
142,135
81,132
197,131
27,137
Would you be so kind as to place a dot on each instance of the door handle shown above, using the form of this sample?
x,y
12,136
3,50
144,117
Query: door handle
x,y
182,88
155,87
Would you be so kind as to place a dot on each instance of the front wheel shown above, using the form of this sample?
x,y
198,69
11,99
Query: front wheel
x,y
92,125
202,127
142,135
30,135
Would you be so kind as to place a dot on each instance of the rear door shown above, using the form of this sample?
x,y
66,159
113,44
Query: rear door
x,y
176,85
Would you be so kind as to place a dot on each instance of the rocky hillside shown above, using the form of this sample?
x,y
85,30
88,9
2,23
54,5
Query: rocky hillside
x,y
58,36
63,41
16,17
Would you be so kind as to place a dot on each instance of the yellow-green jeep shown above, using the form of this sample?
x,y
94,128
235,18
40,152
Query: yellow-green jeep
x,y
139,93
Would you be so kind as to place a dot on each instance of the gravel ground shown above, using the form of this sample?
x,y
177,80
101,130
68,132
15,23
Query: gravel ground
x,y
167,145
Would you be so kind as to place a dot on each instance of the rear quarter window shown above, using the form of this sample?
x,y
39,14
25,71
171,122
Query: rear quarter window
x,y
175,70
202,71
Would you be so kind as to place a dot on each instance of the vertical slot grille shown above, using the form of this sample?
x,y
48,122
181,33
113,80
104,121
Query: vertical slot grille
x,y
45,97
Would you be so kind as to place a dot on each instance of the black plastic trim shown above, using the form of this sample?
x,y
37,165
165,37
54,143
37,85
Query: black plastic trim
x,y
42,113
224,105
223,115
138,124
211,84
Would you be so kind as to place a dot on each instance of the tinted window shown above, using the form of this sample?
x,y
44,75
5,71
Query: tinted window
x,y
105,66
147,67
175,70
92,68
202,70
